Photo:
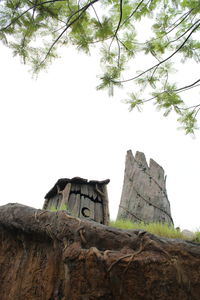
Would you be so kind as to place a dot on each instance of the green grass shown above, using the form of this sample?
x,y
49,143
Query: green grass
x,y
62,207
197,237
159,229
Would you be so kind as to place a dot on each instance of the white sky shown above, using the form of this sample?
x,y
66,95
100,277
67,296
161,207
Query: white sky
x,y
60,126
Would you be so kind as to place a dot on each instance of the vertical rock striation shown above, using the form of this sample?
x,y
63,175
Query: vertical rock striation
x,y
144,196
48,255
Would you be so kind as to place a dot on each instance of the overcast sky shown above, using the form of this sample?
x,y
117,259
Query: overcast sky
x,y
60,126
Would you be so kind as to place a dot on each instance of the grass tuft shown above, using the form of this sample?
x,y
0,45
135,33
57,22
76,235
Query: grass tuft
x,y
63,207
159,229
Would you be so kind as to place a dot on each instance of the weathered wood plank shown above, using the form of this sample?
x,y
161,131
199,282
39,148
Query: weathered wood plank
x,y
73,187
91,206
76,208
49,205
53,202
99,198
90,191
84,189
71,202
76,187
98,212
57,201
106,214
86,208
65,195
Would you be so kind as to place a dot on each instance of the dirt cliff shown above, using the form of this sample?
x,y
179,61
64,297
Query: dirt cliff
x,y
52,256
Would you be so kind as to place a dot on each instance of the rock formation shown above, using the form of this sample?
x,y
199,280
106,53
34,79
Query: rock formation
x,y
144,196
53,256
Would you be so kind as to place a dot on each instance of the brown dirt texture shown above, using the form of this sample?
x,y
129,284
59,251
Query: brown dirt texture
x,y
52,256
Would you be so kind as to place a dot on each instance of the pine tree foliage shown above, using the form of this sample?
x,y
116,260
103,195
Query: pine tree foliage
x,y
35,30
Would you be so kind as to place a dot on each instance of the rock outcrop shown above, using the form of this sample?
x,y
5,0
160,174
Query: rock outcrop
x,y
144,196
52,256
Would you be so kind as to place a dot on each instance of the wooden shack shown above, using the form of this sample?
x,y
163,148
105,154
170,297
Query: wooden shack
x,y
82,198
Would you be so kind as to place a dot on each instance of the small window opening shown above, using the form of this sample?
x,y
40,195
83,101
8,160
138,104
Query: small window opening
x,y
85,212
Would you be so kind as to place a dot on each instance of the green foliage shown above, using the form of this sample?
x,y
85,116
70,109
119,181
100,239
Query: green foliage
x,y
134,101
188,121
197,237
35,30
159,229
103,29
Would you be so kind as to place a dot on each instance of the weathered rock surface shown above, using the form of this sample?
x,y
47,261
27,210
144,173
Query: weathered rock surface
x,y
187,233
144,196
52,256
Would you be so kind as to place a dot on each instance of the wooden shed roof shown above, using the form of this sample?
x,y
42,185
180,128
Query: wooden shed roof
x,y
61,183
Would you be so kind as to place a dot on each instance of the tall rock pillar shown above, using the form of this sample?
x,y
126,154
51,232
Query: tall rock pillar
x,y
144,196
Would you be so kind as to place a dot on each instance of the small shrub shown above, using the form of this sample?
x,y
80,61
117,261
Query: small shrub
x,y
196,237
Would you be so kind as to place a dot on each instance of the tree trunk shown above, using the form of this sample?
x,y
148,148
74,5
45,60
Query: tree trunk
x,y
52,256
144,196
